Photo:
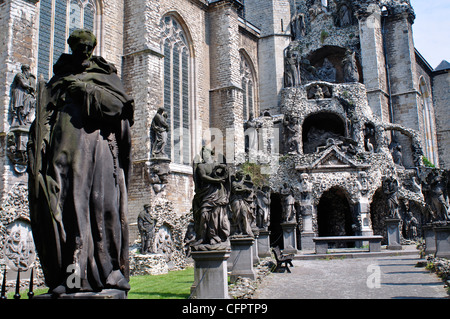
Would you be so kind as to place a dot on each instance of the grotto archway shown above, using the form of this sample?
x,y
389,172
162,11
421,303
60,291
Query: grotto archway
x,y
334,56
319,127
276,232
335,214
378,214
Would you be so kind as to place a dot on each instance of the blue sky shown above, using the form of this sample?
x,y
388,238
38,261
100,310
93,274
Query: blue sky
x,y
432,30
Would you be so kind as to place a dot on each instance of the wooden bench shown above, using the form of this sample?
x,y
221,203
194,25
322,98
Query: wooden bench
x,y
321,243
282,259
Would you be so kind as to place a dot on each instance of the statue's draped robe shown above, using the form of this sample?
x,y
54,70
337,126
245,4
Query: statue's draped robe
x,y
22,102
78,177
159,136
241,204
210,210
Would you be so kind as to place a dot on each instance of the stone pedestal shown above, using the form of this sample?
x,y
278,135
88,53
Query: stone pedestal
x,y
430,239
393,234
264,244
159,170
307,234
242,258
255,250
442,235
289,238
210,275
104,294
307,240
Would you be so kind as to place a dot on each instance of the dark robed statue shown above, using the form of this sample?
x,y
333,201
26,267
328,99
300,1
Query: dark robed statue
x,y
210,203
79,149
159,133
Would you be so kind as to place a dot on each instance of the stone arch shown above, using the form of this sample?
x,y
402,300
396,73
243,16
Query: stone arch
x,y
412,151
344,15
185,29
249,81
276,232
335,214
57,20
379,213
178,87
318,127
335,55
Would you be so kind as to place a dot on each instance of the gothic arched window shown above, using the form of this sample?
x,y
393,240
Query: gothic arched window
x,y
248,88
57,19
177,85
427,118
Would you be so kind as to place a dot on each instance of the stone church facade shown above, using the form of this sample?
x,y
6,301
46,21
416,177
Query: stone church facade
x,y
344,70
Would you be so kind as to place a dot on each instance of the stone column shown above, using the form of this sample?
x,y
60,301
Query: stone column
x,y
364,212
373,61
255,248
307,233
272,17
226,91
242,258
289,238
393,233
210,277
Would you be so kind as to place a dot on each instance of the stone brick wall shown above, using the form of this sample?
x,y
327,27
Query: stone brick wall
x,y
112,31
18,21
272,17
374,64
226,93
143,73
441,100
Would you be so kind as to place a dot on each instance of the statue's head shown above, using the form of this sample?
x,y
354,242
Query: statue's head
x,y
82,43
207,155
25,69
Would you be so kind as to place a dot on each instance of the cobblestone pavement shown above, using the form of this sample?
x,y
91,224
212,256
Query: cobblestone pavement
x,y
395,277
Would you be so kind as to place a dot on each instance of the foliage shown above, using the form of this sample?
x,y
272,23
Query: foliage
x,y
323,35
427,162
255,171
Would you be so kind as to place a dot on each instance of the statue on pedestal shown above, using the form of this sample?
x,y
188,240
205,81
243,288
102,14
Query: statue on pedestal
x,y
396,151
292,134
437,196
291,67
22,109
79,164
298,26
251,131
23,98
159,133
327,72
390,188
210,203
263,207
146,226
242,205
351,73
288,204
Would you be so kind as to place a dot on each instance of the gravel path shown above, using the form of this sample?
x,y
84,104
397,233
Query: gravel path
x,y
395,277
